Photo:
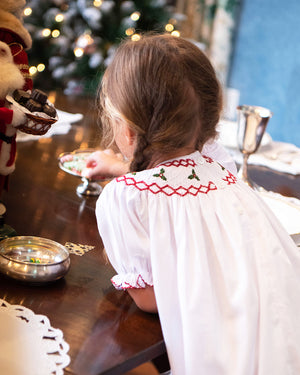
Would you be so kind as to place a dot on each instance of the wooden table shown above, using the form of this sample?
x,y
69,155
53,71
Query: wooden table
x,y
106,332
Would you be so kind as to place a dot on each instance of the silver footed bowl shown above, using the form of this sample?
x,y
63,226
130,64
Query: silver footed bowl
x,y
73,163
33,259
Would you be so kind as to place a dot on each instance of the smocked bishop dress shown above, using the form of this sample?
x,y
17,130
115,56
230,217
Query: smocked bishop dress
x,y
226,275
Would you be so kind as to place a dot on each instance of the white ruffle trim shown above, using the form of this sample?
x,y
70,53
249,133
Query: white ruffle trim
x,y
130,281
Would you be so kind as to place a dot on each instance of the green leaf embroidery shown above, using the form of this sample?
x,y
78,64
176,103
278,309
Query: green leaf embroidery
x,y
193,175
161,174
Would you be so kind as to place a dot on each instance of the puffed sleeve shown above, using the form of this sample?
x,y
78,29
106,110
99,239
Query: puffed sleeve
x,y
122,223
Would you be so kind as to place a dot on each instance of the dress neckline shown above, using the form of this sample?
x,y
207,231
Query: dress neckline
x,y
192,155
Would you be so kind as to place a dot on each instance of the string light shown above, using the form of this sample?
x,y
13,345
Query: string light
x,y
130,31
173,21
135,16
135,37
55,33
97,3
32,70
59,17
41,67
175,33
27,11
84,40
46,32
78,52
169,27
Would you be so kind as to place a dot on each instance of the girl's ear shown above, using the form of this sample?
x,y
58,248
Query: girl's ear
x,y
129,135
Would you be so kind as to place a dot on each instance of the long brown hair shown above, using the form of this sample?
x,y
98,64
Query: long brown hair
x,y
166,89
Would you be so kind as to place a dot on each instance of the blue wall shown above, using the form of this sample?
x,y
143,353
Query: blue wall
x,y
266,63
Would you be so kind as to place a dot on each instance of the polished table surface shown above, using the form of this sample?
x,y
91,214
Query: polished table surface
x,y
106,332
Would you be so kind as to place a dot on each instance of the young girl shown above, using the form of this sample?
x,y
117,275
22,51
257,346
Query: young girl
x,y
186,238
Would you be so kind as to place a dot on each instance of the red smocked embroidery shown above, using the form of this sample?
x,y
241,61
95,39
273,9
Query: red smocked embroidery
x,y
180,190
179,163
140,283
230,178
167,189
208,159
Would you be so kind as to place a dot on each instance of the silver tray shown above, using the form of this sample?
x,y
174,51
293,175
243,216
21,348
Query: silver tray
x,y
33,259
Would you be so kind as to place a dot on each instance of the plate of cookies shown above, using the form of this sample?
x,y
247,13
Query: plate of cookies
x,y
40,113
74,163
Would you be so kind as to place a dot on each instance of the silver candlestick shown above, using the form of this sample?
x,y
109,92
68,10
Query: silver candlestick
x,y
252,123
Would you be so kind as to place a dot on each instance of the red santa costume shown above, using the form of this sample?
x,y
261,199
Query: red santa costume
x,y
10,116
13,34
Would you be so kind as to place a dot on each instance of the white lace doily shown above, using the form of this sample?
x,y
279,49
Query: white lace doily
x,y
28,343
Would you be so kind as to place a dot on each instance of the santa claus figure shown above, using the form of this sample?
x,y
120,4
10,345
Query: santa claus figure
x,y
14,75
11,116
13,33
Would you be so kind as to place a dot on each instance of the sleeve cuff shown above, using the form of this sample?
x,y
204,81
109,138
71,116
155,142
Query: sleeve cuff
x,y
130,281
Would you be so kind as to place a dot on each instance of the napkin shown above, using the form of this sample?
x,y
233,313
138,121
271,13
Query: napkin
x,y
62,126
279,156
286,209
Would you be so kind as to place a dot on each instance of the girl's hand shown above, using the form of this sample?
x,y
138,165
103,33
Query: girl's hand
x,y
103,164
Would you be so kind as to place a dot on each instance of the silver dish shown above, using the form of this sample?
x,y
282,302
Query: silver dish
x,y
33,259
87,187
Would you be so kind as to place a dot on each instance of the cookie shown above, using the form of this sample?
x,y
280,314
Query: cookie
x,y
49,110
34,106
39,96
21,96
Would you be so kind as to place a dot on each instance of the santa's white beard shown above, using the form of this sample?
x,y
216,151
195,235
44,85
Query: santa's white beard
x,y
11,79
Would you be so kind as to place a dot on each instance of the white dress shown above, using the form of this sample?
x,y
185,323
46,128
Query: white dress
x,y
226,275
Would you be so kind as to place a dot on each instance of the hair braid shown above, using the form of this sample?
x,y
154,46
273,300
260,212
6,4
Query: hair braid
x,y
142,154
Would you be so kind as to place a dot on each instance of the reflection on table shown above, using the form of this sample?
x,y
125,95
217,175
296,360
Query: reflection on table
x,y
106,332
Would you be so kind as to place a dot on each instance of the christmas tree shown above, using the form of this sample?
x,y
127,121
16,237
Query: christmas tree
x,y
74,40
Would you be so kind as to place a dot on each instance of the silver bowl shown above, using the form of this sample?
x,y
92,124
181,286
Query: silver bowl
x,y
33,259
87,187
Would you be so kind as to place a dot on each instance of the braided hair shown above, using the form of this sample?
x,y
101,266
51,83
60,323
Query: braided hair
x,y
166,90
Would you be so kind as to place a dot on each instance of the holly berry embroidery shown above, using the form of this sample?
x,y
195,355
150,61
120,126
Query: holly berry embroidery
x,y
161,174
193,175
223,169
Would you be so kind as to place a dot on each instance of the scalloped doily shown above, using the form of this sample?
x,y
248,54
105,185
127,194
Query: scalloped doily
x,y
78,249
28,343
